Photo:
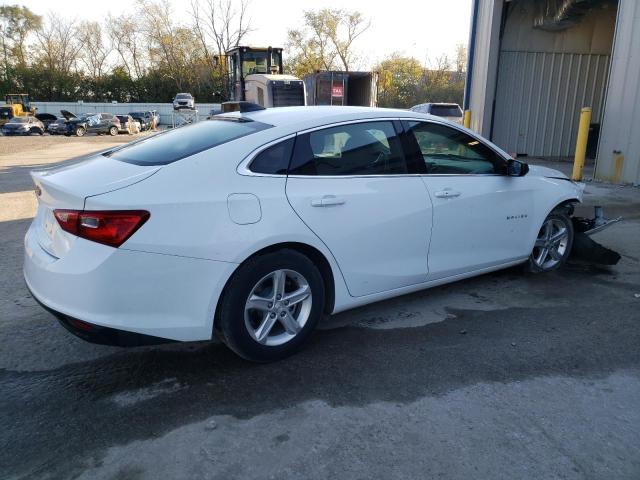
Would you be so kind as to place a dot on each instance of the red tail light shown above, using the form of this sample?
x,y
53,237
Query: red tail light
x,y
111,228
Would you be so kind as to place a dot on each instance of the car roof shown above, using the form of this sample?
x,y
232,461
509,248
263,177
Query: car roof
x,y
301,118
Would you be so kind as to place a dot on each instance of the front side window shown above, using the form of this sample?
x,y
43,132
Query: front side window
x,y
446,150
185,141
368,148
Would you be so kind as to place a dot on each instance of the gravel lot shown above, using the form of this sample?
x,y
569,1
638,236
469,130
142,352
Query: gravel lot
x,y
504,376
13,145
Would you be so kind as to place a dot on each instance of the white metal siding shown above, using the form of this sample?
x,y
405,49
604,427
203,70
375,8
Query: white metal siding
x,y
485,65
540,97
620,128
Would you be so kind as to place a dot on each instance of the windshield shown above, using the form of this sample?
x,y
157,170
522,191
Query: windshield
x,y
137,114
183,95
185,141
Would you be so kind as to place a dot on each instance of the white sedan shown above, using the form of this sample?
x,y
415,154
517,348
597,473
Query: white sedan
x,y
252,225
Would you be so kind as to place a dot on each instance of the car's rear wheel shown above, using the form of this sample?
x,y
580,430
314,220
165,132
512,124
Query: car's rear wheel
x,y
553,243
80,131
113,131
271,305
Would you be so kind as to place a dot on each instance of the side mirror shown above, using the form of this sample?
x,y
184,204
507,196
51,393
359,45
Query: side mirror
x,y
516,168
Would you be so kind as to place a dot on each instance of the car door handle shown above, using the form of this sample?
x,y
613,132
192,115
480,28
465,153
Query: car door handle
x,y
446,193
327,201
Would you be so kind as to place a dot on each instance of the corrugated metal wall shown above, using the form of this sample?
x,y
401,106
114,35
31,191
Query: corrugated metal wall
x,y
540,97
621,122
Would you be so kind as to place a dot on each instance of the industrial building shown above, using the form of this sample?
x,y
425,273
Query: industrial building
x,y
533,64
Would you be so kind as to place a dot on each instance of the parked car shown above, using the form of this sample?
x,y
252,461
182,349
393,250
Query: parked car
x,y
99,123
128,124
25,125
46,119
58,127
184,100
450,111
145,119
252,225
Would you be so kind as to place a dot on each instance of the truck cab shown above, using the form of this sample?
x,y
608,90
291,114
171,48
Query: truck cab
x,y
256,75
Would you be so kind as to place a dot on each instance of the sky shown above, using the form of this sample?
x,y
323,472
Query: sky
x,y
422,29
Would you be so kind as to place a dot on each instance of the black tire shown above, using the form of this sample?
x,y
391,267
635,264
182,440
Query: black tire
x,y
36,130
557,217
230,324
113,131
80,131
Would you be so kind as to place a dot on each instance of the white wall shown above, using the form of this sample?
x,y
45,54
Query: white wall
x,y
164,109
621,123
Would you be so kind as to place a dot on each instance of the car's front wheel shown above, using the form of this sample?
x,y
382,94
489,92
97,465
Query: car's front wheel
x,y
553,244
80,131
271,305
113,131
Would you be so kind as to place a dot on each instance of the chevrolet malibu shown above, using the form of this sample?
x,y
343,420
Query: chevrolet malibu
x,y
253,224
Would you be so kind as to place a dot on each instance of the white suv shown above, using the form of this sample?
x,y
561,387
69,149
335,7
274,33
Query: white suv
x,y
448,111
184,100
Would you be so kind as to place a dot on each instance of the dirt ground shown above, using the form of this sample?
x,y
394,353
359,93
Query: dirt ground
x,y
20,155
34,143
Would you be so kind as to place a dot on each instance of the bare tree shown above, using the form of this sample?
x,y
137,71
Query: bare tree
x,y
220,25
325,41
343,28
94,52
128,41
57,44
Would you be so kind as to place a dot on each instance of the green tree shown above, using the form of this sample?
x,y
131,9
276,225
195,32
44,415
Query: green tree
x,y
399,81
16,24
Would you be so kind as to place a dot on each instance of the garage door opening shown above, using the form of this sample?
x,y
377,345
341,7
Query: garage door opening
x,y
554,59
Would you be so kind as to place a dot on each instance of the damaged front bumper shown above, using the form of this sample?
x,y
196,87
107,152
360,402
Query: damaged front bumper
x,y
584,247
589,226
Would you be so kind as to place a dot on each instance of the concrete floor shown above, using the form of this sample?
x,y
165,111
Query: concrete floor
x,y
506,375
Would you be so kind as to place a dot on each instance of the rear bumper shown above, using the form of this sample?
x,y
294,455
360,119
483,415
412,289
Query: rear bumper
x,y
101,335
119,291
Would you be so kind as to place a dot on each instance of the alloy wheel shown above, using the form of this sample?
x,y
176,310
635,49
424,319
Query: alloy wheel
x,y
278,307
551,244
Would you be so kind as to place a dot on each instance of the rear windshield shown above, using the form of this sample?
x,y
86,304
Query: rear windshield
x,y
185,141
446,110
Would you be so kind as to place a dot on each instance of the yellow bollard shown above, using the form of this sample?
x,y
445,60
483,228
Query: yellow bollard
x,y
467,119
581,144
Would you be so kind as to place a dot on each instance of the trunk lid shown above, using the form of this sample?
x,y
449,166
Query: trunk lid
x,y
69,186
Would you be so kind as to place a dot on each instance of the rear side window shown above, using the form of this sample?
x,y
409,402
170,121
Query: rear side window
x,y
274,160
185,141
368,148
